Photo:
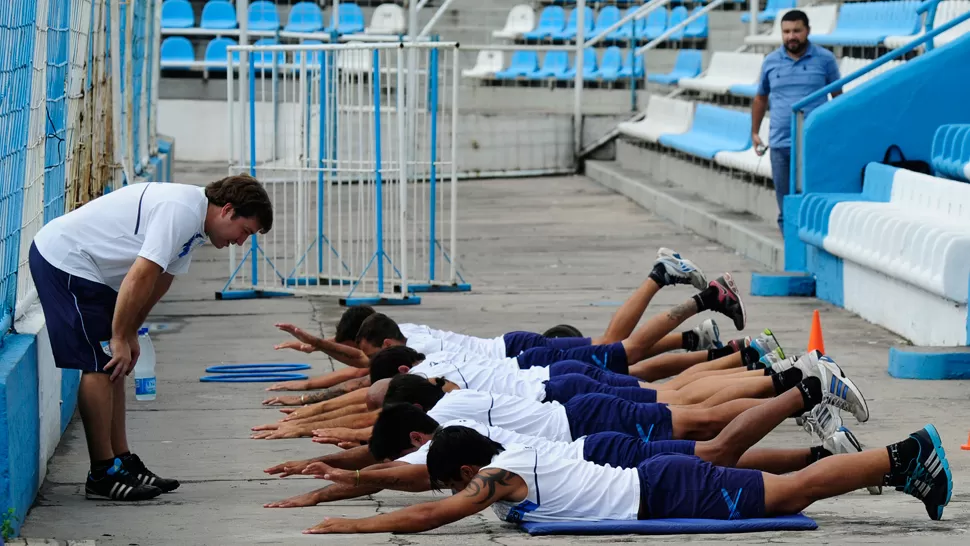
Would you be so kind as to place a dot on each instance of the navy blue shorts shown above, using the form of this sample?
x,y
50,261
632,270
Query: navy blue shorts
x,y
603,376
563,388
589,413
681,486
78,313
625,451
610,357
517,342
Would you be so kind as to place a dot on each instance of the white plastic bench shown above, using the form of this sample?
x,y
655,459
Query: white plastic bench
x,y
521,19
821,18
848,65
946,11
387,19
748,160
921,236
726,69
487,64
664,116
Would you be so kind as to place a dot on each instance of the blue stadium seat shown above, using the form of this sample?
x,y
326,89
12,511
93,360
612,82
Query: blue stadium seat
x,y
744,90
554,65
950,154
551,21
570,31
688,65
177,14
176,52
697,29
523,64
218,15
264,59
770,12
610,66
589,64
314,59
677,16
215,53
351,20
304,17
263,16
653,25
607,17
713,130
632,66
869,23
627,31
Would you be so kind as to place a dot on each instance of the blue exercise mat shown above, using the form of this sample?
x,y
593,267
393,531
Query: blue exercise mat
x,y
257,368
799,522
252,377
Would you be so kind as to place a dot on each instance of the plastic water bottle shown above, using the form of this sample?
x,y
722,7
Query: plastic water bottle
x,y
145,368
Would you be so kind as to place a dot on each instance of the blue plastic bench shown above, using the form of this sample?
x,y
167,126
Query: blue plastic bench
x,y
551,21
554,65
771,11
215,53
689,64
176,52
351,20
304,17
713,130
869,23
263,16
610,66
570,31
589,64
523,65
177,14
218,15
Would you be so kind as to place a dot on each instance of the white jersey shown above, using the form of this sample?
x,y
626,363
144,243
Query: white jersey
x,y
522,383
463,358
549,448
161,222
545,420
486,347
566,489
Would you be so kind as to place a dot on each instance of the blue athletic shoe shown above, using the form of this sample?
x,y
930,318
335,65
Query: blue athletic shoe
x,y
928,477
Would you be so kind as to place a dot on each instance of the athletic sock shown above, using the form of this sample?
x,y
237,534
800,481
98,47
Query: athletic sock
x,y
817,453
714,354
901,455
811,389
124,455
659,275
751,359
706,298
690,341
786,380
100,468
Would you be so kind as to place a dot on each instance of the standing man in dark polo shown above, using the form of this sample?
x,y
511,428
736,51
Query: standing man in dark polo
x,y
789,74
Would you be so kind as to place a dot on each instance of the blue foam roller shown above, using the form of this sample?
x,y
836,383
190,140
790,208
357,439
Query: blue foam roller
x,y
252,377
257,368
798,522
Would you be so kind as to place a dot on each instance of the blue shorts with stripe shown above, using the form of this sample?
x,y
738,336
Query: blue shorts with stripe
x,y
603,376
78,313
625,451
563,388
681,486
610,357
517,342
589,413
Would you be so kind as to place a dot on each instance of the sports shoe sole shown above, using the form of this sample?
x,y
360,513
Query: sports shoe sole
x,y
941,454
733,288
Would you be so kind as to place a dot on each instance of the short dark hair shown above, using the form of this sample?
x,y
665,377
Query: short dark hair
x,y
391,434
414,389
454,447
378,327
385,363
795,15
247,197
562,330
350,323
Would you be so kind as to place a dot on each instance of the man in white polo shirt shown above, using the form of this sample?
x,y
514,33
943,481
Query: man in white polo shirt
x,y
100,269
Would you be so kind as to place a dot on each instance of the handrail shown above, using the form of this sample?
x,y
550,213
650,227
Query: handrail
x,y
929,8
690,19
434,18
638,14
798,107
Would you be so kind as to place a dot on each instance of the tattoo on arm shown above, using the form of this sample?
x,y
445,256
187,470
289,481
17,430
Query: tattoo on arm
x,y
682,311
325,394
487,481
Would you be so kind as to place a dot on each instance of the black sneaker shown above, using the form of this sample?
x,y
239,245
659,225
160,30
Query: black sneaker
x,y
118,484
729,300
928,476
137,469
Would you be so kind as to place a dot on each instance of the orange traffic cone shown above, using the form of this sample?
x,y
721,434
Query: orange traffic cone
x,y
815,341
967,446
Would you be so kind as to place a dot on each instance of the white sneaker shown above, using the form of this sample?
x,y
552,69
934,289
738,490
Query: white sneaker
x,y
843,441
708,335
839,391
822,421
680,270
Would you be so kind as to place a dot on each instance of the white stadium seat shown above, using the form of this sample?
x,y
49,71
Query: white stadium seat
x,y
355,61
664,116
726,69
521,19
388,19
821,18
848,65
748,160
486,65
946,11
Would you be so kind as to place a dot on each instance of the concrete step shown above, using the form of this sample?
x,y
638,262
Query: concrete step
x,y
749,235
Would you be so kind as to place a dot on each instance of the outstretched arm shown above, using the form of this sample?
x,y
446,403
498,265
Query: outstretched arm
x,y
353,459
485,489
393,475
337,351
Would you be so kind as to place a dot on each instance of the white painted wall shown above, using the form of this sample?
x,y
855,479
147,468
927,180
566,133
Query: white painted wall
x,y
915,314
49,386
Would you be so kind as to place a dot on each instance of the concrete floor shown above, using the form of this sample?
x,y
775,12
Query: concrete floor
x,y
537,252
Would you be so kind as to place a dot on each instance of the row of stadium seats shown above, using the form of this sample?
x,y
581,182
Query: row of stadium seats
x,y
557,65
220,15
177,53
553,24
950,156
771,11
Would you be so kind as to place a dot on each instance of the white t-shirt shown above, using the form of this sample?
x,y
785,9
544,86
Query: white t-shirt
x,y
563,489
522,383
549,448
490,348
459,357
545,420
162,222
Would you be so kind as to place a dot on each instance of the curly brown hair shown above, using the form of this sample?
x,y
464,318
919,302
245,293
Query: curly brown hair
x,y
247,197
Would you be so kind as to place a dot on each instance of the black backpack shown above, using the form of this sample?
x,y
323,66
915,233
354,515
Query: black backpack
x,y
902,163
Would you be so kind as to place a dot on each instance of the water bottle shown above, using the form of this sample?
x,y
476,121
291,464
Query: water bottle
x,y
145,368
